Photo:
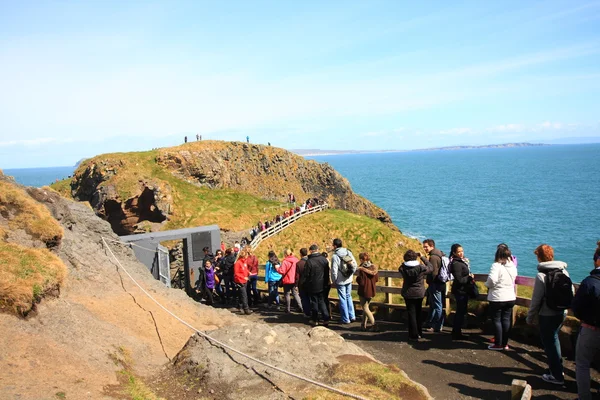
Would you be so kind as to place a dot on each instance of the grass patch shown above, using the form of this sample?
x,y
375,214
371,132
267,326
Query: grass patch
x,y
130,386
361,376
25,213
358,233
26,275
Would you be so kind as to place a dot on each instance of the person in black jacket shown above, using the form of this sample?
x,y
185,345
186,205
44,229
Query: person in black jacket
x,y
459,267
413,290
586,307
227,271
315,280
436,289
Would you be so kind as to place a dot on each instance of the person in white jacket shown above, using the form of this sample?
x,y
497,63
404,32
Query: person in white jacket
x,y
501,295
343,282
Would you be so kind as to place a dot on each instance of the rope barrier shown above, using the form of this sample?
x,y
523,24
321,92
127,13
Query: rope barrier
x,y
223,345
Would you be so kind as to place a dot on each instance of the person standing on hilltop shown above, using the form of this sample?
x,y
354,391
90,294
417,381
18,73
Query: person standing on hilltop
x,y
367,287
586,307
550,319
247,139
240,277
413,290
501,295
185,139
316,282
343,267
436,288
459,267
288,273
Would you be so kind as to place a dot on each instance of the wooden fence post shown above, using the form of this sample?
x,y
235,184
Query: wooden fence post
x,y
389,299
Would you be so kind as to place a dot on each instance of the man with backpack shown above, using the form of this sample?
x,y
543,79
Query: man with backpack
x,y
586,307
436,289
343,266
552,295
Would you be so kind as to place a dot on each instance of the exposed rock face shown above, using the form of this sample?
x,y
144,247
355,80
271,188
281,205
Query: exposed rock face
x,y
267,172
151,202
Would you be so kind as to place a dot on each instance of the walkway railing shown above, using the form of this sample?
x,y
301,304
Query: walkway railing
x,y
283,224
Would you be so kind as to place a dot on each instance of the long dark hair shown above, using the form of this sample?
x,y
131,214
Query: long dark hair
x,y
503,254
454,249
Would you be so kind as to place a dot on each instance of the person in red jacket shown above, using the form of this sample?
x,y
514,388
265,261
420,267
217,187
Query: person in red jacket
x,y
240,278
252,262
287,269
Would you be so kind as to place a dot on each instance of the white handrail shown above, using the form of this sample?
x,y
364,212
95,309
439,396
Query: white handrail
x,y
284,223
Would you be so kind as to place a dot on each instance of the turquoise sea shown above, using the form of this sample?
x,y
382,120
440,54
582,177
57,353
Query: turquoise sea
x,y
39,177
481,197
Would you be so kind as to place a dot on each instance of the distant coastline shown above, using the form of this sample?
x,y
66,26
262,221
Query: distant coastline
x,y
318,152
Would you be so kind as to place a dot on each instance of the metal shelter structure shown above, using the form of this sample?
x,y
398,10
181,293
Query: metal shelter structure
x,y
148,250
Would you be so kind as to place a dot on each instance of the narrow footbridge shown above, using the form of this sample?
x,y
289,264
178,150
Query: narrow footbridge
x,y
283,224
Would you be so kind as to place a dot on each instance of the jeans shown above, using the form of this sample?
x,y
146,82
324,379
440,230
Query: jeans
x,y
414,308
588,345
462,300
253,295
346,304
273,293
502,316
318,305
549,328
288,292
242,295
229,287
305,299
435,319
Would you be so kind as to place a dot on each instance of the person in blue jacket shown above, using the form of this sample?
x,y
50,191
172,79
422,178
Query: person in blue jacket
x,y
272,278
586,307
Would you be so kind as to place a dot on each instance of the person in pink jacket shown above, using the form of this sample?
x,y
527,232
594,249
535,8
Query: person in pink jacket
x,y
287,269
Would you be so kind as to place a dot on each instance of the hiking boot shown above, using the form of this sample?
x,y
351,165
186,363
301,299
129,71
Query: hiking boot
x,y
551,379
325,324
496,347
313,322
248,311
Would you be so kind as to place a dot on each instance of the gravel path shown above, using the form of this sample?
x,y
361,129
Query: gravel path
x,y
452,370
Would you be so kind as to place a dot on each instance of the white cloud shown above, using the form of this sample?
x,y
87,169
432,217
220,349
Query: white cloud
x,y
456,131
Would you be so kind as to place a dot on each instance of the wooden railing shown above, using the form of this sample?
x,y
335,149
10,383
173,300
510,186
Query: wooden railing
x,y
391,291
283,224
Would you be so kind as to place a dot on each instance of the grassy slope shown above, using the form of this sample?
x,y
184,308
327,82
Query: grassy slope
x,y
26,274
358,233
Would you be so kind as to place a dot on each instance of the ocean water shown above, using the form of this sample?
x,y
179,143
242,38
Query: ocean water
x,y
482,197
39,177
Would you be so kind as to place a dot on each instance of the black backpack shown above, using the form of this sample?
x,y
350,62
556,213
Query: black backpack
x,y
559,290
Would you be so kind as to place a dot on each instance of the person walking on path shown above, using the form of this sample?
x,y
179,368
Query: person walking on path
x,y
240,277
367,284
436,288
459,267
501,295
272,278
550,320
343,280
316,282
586,307
413,290
304,297
209,271
288,272
253,295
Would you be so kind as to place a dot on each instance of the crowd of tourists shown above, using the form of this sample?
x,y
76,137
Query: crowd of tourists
x,y
264,225
309,278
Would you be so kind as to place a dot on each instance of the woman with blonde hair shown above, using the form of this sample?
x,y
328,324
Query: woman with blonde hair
x,y
367,283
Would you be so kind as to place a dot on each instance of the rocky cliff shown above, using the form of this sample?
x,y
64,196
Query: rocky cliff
x,y
136,191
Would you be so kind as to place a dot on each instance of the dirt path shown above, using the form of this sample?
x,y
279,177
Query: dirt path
x,y
452,370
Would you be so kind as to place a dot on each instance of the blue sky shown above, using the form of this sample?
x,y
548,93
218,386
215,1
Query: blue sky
x,y
83,78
